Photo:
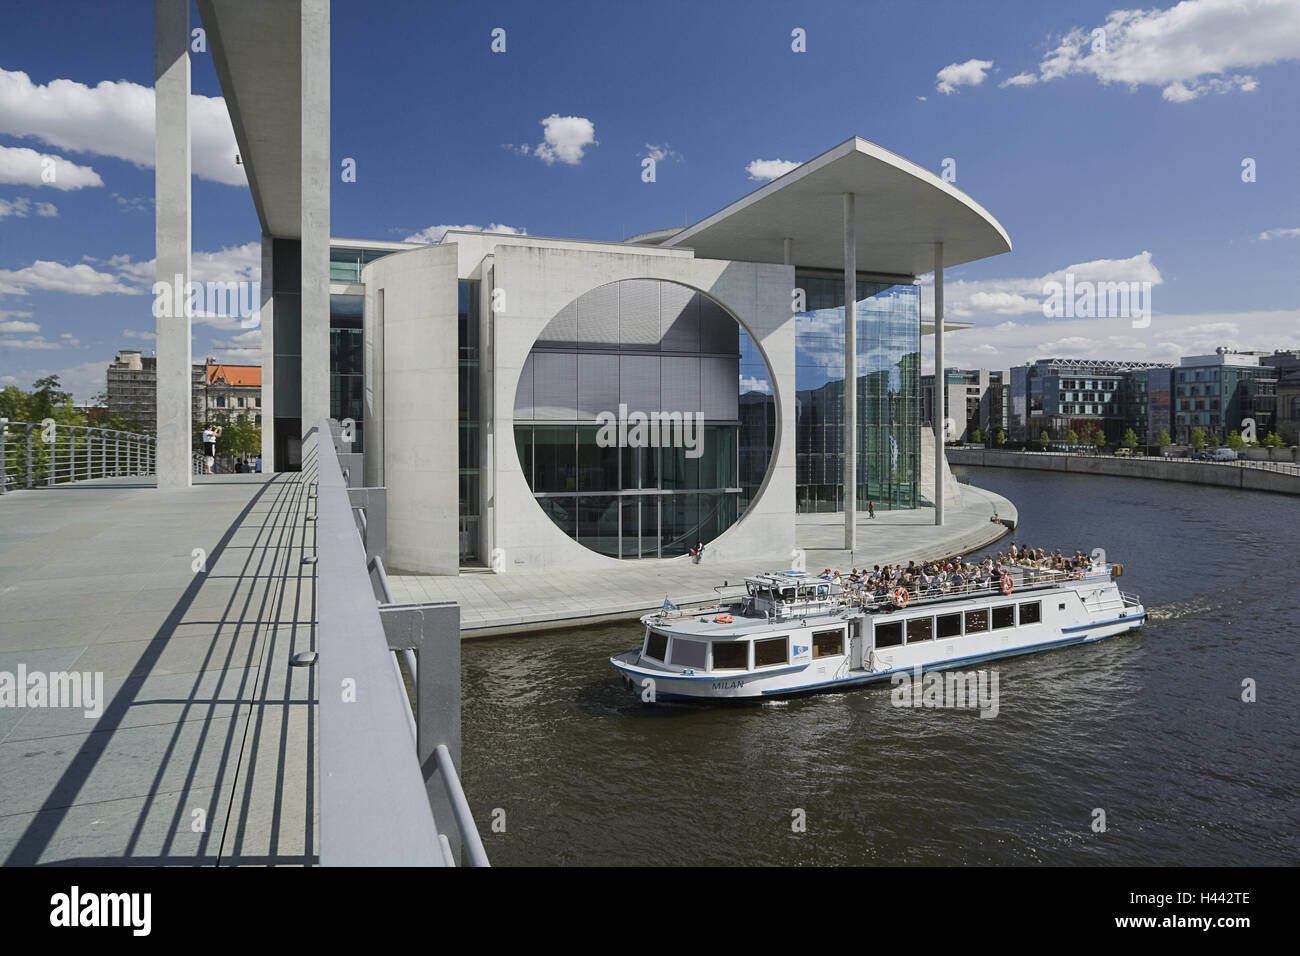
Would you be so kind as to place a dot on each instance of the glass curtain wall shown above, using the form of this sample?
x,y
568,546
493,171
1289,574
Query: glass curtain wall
x,y
660,350
888,387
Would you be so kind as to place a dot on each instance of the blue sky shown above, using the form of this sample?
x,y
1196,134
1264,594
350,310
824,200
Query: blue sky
x,y
1123,162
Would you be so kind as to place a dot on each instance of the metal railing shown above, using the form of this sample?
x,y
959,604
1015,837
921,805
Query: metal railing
x,y
390,782
37,455
1281,467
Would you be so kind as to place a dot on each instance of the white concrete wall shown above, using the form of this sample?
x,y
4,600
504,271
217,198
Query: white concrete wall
x,y
411,410
541,279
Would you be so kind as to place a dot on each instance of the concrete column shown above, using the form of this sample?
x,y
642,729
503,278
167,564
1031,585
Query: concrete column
x,y
940,386
787,245
172,239
315,196
267,324
850,375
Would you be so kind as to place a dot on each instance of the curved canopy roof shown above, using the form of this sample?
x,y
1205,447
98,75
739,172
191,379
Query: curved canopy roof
x,y
901,210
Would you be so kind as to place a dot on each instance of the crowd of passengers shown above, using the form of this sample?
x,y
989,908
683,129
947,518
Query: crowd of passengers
x,y
941,577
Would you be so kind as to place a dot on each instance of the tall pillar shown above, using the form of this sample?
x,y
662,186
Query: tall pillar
x,y
315,224
940,387
787,245
267,324
850,375
172,240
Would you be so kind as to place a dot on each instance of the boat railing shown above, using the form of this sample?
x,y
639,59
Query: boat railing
x,y
1029,578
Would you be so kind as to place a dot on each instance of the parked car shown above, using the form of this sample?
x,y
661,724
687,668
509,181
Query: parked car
x,y
1224,454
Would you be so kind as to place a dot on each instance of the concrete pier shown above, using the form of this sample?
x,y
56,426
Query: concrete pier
x,y
1281,477
523,601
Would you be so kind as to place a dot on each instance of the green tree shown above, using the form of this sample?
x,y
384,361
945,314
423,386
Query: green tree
x,y
1235,441
1198,438
1212,439
1274,440
1072,437
238,439
1044,439
999,439
976,437
1098,437
1130,439
1163,440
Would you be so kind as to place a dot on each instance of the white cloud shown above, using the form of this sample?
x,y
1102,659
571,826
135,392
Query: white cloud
x,y
1020,79
1192,48
21,206
970,73
36,343
1280,234
134,203
435,233
21,166
133,334
751,383
80,279
660,153
16,325
115,118
763,170
922,98
1024,296
564,139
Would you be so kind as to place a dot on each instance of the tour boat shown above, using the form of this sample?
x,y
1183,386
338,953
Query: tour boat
x,y
792,632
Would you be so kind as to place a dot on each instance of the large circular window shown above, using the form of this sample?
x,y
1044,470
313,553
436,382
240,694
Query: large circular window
x,y
644,419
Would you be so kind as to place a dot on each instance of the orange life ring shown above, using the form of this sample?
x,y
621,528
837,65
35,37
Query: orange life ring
x,y
901,597
1007,584
724,619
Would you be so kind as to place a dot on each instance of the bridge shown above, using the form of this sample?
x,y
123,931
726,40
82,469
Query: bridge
x,y
235,685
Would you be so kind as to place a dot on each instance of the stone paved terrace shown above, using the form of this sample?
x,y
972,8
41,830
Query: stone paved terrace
x,y
523,601
201,709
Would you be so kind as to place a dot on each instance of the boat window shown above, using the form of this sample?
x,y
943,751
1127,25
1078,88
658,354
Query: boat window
x,y
1031,612
1004,616
689,653
977,621
889,635
730,655
948,625
771,650
656,646
787,595
827,643
920,629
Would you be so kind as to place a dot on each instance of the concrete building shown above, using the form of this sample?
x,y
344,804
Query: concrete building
x,y
1058,396
549,363
1219,392
977,399
226,393
133,389
553,366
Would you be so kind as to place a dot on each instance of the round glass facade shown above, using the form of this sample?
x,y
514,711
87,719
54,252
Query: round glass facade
x,y
644,419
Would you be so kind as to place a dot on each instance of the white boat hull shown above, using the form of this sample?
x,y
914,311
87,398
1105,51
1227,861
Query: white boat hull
x,y
1081,613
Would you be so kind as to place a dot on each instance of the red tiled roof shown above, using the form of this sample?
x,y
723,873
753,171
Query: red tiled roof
x,y
249,375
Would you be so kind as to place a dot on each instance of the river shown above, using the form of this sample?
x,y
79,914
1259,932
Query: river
x,y
1149,727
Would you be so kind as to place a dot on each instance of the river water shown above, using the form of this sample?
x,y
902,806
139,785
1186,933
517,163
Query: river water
x,y
1149,727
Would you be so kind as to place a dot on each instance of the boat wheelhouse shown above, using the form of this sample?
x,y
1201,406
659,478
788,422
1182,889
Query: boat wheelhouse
x,y
794,633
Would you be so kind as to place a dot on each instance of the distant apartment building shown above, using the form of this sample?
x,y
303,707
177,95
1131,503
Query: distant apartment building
x,y
1059,396
1219,392
1288,407
227,393
976,399
133,390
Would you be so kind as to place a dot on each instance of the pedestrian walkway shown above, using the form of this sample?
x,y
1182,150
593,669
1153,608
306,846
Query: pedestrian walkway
x,y
188,604
526,601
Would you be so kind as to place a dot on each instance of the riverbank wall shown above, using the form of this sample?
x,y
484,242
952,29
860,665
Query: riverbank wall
x,y
1276,477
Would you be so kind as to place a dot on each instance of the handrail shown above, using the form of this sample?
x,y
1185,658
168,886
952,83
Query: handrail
x,y
374,809
358,523
48,453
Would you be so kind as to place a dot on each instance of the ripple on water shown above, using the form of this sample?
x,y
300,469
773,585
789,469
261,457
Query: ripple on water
x,y
1149,727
